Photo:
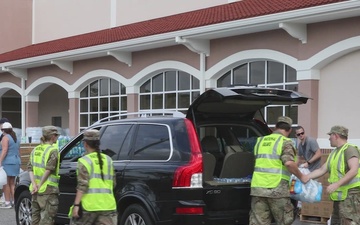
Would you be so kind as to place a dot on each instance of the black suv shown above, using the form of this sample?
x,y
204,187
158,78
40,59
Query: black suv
x,y
192,169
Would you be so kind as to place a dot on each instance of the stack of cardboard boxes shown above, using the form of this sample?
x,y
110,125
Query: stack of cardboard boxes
x,y
320,210
25,150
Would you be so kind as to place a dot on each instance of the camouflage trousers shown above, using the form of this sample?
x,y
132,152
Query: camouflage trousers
x,y
264,209
347,212
98,218
44,209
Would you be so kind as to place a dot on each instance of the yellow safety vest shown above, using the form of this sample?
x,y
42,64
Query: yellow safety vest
x,y
336,166
269,169
100,196
38,158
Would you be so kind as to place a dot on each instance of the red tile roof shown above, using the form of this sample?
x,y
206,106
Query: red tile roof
x,y
213,15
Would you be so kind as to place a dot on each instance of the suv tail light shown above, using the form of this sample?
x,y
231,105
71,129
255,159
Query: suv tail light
x,y
190,175
190,210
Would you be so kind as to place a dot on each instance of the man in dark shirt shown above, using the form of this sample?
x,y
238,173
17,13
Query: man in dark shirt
x,y
309,151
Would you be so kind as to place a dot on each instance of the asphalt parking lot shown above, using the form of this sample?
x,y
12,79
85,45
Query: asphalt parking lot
x,y
8,218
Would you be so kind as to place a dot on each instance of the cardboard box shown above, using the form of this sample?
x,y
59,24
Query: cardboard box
x,y
325,196
326,151
324,179
324,158
25,150
319,209
326,208
310,209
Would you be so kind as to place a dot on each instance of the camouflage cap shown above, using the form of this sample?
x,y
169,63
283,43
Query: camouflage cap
x,y
285,119
91,135
49,130
339,130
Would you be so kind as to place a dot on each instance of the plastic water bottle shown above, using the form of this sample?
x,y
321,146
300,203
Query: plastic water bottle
x,y
298,187
319,194
292,186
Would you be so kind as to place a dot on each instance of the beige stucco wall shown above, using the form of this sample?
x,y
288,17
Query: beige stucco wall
x,y
15,24
53,102
221,48
140,61
338,96
325,34
320,36
63,18
308,113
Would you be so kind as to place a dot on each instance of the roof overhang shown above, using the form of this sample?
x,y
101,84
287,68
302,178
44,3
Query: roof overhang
x,y
293,22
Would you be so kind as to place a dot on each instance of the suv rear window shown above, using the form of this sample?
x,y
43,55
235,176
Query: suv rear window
x,y
152,143
231,136
112,140
223,139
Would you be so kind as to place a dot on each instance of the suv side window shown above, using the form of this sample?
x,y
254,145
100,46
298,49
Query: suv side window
x,y
112,139
152,143
76,151
76,148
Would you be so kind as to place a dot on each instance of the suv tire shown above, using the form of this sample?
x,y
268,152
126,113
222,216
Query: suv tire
x,y
23,208
135,215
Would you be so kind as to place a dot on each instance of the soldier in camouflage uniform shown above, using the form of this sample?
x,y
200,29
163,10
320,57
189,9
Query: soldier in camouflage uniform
x,y
94,202
44,175
274,163
343,167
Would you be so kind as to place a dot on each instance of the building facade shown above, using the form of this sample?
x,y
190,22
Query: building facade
x,y
166,62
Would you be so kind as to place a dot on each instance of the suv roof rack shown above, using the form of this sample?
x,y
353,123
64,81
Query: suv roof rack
x,y
144,114
241,85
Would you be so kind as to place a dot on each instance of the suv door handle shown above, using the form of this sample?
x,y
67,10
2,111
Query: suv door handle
x,y
72,174
119,172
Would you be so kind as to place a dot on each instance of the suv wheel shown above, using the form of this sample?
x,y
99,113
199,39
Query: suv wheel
x,y
135,215
23,208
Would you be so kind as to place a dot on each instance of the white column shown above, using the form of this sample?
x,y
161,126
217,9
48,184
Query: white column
x,y
23,107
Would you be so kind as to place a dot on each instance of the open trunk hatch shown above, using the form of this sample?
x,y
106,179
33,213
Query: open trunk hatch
x,y
242,102
224,119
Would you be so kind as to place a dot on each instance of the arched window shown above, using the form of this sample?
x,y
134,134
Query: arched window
x,y
170,90
265,74
102,98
